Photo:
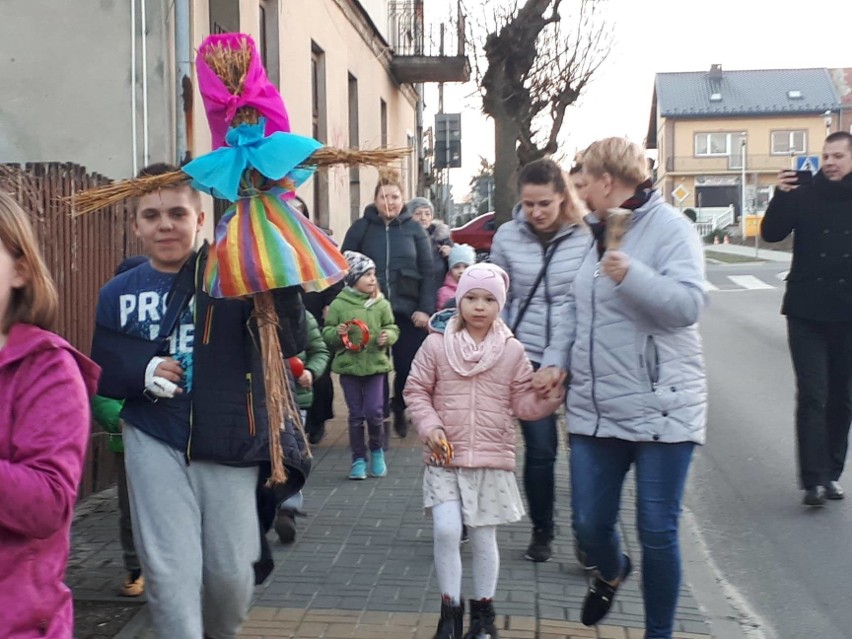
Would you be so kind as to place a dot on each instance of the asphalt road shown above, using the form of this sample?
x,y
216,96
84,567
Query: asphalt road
x,y
786,567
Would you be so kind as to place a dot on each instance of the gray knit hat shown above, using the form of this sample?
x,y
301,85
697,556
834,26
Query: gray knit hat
x,y
420,203
358,265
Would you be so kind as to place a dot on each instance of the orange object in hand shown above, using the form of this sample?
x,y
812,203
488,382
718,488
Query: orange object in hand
x,y
365,336
297,367
442,453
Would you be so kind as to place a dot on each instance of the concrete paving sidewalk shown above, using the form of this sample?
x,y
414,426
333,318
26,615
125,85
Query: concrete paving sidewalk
x,y
362,563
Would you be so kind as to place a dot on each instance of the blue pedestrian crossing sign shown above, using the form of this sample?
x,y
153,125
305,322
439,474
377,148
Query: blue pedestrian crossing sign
x,y
807,163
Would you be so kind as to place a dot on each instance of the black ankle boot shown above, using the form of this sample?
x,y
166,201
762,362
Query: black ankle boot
x,y
452,620
400,423
481,620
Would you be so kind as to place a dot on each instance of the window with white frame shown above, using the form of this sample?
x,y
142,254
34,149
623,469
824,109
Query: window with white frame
x,y
787,142
718,144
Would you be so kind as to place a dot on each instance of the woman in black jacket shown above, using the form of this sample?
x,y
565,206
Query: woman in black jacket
x,y
397,243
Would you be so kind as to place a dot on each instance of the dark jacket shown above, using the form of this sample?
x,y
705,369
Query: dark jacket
x,y
228,419
819,285
403,256
439,235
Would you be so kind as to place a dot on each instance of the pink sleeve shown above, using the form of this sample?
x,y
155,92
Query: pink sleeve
x,y
526,403
38,485
420,387
444,294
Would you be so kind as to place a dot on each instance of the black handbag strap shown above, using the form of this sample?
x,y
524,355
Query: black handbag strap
x,y
548,255
183,288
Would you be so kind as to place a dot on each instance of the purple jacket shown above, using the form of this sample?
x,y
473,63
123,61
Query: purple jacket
x,y
45,386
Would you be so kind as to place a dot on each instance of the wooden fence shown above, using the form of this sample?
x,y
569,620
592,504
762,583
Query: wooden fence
x,y
82,254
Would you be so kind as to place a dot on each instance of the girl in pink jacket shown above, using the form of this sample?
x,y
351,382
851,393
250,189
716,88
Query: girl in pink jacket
x,y
466,383
45,387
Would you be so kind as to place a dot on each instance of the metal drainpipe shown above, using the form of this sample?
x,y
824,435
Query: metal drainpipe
x,y
183,87
144,24
133,133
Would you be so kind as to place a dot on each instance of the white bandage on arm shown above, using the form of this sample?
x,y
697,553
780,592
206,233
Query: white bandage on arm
x,y
156,385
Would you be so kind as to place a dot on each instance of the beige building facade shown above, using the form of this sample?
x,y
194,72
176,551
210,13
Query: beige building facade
x,y
715,131
100,83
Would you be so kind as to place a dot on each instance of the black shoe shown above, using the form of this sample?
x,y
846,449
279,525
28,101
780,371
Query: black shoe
x,y
814,496
481,620
539,548
452,620
285,525
600,596
400,424
834,491
316,432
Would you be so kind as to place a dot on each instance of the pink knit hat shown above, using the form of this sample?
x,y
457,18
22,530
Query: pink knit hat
x,y
489,277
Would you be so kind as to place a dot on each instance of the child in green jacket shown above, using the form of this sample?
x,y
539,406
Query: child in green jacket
x,y
361,358
313,362
106,411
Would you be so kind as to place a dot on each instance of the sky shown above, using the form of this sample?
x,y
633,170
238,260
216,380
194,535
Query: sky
x,y
656,36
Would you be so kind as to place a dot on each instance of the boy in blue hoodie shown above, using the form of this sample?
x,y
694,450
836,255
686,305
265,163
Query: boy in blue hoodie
x,y
195,417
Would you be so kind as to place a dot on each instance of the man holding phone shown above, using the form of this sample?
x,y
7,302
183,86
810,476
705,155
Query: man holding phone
x,y
818,306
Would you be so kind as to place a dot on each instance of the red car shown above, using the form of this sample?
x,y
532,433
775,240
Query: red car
x,y
478,233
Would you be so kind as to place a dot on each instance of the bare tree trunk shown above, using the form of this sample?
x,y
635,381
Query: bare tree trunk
x,y
506,132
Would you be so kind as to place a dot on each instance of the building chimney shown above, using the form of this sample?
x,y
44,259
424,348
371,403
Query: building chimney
x,y
716,72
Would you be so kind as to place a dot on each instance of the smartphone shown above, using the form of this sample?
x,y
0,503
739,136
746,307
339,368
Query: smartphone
x,y
804,177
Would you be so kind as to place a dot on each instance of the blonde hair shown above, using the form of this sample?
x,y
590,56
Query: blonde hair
x,y
574,208
622,159
388,176
36,302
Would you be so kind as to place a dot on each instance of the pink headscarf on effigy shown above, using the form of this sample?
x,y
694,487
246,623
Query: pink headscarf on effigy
x,y
258,92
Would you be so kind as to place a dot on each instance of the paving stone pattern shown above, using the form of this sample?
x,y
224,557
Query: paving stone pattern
x,y
362,562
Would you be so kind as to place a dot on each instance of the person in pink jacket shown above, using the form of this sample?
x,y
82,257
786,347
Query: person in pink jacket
x,y
45,386
468,379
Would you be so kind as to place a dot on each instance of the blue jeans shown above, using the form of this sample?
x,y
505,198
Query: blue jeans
x,y
541,442
598,468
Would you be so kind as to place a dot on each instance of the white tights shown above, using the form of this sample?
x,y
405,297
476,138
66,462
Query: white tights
x,y
447,529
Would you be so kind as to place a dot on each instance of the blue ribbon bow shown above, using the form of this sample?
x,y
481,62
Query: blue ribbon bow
x,y
275,156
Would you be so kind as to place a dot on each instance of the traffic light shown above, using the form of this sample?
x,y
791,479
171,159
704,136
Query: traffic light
x,y
448,140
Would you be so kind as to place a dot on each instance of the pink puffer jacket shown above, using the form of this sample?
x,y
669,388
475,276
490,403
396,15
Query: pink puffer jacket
x,y
45,387
474,403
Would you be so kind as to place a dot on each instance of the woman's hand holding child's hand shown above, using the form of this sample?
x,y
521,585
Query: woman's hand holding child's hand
x,y
549,382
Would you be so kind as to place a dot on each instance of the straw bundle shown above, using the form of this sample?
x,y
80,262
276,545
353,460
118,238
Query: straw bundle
x,y
91,200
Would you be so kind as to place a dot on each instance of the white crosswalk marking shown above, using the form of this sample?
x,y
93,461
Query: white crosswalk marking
x,y
749,282
709,286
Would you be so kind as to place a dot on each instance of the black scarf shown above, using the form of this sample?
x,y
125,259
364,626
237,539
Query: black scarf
x,y
640,196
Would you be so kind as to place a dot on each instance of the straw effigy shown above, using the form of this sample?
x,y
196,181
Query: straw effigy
x,y
232,66
91,200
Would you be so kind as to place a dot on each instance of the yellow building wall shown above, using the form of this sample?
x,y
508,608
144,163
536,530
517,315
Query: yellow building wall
x,y
345,52
677,138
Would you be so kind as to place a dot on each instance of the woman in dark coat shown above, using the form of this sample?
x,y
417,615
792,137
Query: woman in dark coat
x,y
390,236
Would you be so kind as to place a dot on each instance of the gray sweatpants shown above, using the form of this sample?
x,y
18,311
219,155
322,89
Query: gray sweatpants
x,y
195,528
